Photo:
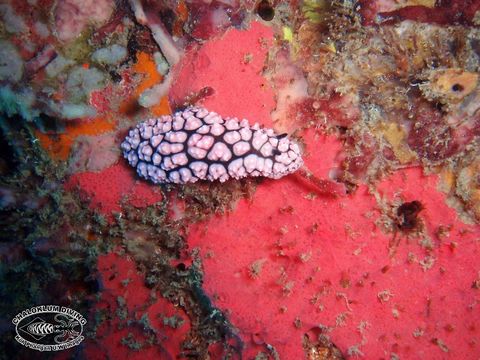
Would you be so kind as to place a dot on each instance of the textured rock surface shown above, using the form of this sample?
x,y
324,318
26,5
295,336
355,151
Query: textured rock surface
x,y
200,145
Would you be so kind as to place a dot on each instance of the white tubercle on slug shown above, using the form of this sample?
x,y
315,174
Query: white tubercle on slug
x,y
196,144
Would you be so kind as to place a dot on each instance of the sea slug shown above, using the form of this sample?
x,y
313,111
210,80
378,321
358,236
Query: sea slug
x,y
196,144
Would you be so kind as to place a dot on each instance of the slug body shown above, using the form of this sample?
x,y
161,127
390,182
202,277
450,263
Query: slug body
x,y
196,144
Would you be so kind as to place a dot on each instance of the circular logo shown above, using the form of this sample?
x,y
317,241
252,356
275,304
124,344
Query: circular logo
x,y
49,327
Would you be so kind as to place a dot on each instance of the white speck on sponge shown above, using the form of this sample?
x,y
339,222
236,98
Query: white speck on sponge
x,y
12,22
152,96
110,55
76,111
11,66
81,82
41,29
161,62
57,65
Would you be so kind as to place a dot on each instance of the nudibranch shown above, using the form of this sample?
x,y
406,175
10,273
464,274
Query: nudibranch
x,y
197,144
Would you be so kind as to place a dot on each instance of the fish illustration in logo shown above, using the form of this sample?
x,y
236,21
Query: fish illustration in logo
x,y
64,330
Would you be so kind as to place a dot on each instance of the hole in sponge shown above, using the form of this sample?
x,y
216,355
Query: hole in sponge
x,y
457,88
265,10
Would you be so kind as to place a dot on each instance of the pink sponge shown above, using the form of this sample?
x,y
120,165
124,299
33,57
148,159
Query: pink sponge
x,y
108,187
288,263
